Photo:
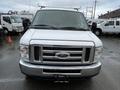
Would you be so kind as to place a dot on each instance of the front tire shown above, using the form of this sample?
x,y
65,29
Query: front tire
x,y
98,32
6,31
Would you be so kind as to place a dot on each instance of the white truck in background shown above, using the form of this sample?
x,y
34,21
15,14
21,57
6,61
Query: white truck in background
x,y
11,23
98,21
106,26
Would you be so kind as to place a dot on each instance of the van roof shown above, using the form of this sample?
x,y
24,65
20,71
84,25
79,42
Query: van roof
x,y
65,9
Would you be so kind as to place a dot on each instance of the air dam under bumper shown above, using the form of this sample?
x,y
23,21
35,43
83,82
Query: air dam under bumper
x,y
40,70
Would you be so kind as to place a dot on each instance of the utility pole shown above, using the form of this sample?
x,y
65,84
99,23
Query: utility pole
x,y
95,4
86,12
29,5
89,12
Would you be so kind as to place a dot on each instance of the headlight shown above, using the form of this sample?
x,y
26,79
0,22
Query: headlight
x,y
24,52
98,53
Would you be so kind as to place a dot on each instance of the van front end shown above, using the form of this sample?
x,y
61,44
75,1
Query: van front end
x,y
56,58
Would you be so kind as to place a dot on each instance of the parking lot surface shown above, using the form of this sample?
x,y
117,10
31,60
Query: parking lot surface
x,y
12,79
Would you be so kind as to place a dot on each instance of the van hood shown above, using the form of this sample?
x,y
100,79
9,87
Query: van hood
x,y
17,24
59,35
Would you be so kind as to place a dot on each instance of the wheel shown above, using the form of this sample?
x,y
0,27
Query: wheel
x,y
6,31
98,32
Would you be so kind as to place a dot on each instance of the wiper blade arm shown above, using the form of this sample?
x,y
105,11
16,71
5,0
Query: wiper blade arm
x,y
41,25
73,28
45,26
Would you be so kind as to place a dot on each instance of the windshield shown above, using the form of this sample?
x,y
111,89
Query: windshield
x,y
16,19
59,19
99,22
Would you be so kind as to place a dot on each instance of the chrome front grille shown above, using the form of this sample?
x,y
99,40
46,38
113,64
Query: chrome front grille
x,y
61,54
49,54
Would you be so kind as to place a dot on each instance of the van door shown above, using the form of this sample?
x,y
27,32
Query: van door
x,y
117,27
6,22
109,27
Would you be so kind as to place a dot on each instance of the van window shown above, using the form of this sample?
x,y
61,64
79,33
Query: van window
x,y
109,23
16,19
7,19
117,23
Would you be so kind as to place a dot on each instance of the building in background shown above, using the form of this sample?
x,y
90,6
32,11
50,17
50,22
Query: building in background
x,y
112,14
22,14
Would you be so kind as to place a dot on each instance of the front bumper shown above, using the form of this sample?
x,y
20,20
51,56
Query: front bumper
x,y
37,70
18,30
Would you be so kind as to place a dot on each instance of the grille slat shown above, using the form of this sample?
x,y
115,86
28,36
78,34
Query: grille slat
x,y
61,48
53,51
53,57
87,55
36,52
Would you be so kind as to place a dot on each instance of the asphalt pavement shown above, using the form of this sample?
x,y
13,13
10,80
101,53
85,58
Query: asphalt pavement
x,y
12,79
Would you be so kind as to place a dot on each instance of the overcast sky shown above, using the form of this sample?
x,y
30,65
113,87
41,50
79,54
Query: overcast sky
x,y
102,5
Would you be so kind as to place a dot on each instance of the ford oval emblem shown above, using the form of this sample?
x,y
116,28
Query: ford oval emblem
x,y
62,55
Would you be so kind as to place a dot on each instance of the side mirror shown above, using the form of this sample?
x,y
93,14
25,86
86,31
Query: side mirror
x,y
7,19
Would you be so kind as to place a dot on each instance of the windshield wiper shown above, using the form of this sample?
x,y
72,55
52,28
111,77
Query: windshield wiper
x,y
43,26
74,28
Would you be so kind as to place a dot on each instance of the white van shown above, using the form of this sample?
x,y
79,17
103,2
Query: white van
x,y
98,21
108,26
11,23
59,43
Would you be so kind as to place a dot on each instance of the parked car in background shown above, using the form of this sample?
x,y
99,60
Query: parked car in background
x,y
11,23
59,44
108,26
